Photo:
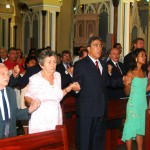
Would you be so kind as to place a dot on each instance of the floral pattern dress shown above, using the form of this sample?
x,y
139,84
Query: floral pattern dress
x,y
136,108
49,114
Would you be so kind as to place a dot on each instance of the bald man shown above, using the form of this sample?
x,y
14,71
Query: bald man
x,y
8,106
118,71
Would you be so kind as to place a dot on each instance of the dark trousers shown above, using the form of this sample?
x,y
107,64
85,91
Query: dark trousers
x,y
90,133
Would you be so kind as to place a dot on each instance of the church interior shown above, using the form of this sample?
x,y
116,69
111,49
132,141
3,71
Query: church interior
x,y
66,25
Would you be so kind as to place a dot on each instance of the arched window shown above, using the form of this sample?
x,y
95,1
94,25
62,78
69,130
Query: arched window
x,y
134,33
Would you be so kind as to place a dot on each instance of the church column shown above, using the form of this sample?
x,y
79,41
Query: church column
x,y
9,21
126,27
15,36
111,24
120,22
48,26
53,31
115,4
43,27
120,25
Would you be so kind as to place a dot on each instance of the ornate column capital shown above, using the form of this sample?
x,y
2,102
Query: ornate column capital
x,y
115,3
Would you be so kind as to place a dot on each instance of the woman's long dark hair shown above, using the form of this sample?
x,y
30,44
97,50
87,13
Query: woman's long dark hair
x,y
133,64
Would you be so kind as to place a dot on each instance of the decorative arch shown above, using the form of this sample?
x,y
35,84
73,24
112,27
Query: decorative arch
x,y
104,5
90,9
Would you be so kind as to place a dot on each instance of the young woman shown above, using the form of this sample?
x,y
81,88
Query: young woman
x,y
134,127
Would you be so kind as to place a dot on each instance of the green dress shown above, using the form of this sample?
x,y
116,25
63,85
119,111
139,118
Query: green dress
x,y
135,111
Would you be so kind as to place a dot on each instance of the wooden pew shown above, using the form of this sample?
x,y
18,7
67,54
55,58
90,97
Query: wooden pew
x,y
49,140
116,109
147,131
68,106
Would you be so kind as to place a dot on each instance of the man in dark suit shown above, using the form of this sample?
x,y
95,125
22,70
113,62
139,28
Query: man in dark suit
x,y
118,71
65,69
8,106
137,43
91,74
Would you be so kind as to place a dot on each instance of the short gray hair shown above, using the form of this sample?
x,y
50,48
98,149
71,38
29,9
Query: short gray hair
x,y
44,54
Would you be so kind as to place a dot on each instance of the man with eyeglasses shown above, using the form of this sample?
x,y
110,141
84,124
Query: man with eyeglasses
x,y
91,74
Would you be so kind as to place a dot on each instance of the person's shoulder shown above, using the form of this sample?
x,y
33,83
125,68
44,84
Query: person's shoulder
x,y
128,55
81,61
36,76
131,74
56,73
59,66
108,62
120,63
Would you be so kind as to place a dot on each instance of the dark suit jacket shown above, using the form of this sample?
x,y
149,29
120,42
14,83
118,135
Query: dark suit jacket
x,y
127,61
15,113
92,96
66,79
0,60
23,81
116,92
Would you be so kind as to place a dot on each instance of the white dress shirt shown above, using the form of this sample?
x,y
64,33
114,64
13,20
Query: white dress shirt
x,y
99,64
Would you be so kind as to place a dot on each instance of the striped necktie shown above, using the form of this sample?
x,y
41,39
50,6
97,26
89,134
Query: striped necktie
x,y
96,64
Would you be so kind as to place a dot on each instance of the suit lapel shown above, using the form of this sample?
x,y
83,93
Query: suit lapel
x,y
92,65
9,100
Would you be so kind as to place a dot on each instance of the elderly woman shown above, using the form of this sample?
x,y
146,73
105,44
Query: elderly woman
x,y
45,87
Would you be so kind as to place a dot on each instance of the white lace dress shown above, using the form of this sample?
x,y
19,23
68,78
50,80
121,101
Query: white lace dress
x,y
49,114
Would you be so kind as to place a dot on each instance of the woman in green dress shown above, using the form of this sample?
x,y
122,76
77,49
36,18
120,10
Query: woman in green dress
x,y
134,127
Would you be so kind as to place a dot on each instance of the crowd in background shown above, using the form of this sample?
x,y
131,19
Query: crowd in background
x,y
72,76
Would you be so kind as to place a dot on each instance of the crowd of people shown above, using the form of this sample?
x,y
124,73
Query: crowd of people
x,y
44,78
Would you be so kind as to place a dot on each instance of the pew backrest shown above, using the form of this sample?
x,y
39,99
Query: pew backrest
x,y
49,140
116,109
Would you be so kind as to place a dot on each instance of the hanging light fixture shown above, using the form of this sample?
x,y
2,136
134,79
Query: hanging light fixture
x,y
7,4
60,1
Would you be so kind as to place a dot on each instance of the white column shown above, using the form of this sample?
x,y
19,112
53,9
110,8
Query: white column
x,y
6,34
126,27
120,27
47,34
53,32
120,24
111,24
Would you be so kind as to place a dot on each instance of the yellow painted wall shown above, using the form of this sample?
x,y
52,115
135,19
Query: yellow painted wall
x,y
64,23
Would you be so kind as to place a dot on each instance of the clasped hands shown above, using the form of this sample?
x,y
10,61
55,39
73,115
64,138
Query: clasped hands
x,y
73,86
